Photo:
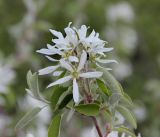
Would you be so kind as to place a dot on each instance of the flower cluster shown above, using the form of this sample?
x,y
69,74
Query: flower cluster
x,y
75,52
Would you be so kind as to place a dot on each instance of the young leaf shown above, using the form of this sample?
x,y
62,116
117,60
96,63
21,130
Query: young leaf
x,y
128,115
107,115
88,109
54,128
27,118
124,130
114,99
32,81
58,91
103,87
111,82
65,101
126,100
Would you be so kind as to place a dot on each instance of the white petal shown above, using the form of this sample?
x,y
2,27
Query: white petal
x,y
82,32
95,74
69,31
54,49
57,73
60,81
106,61
48,70
66,65
83,60
104,49
56,33
60,42
51,59
73,59
91,36
75,91
46,51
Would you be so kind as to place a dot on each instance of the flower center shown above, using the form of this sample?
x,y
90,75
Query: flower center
x,y
75,74
67,54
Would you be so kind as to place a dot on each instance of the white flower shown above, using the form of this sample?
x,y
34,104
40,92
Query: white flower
x,y
65,46
75,73
29,135
120,11
75,49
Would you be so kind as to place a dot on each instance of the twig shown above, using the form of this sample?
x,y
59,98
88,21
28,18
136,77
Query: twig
x,y
97,126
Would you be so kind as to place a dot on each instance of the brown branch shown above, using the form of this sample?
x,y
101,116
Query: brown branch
x,y
97,126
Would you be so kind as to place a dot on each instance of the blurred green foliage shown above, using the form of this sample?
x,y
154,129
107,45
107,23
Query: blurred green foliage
x,y
57,14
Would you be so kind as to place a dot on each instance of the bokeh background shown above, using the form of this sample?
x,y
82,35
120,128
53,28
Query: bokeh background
x,y
132,27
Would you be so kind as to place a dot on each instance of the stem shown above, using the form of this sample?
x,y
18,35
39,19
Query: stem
x,y
97,126
89,99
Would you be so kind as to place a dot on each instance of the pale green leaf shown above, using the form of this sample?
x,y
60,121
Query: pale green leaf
x,y
27,118
103,87
58,91
114,99
127,115
88,109
32,81
126,100
111,82
54,128
107,115
124,130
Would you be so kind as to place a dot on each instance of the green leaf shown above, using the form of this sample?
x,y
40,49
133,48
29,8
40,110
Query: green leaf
x,y
65,101
58,91
88,109
111,82
54,128
103,87
32,81
126,100
107,115
28,118
114,99
124,130
128,115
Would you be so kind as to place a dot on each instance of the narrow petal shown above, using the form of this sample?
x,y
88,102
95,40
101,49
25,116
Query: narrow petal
x,y
51,59
83,60
46,51
106,61
57,73
82,32
75,91
73,59
54,49
95,74
60,81
56,33
104,49
48,70
66,65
